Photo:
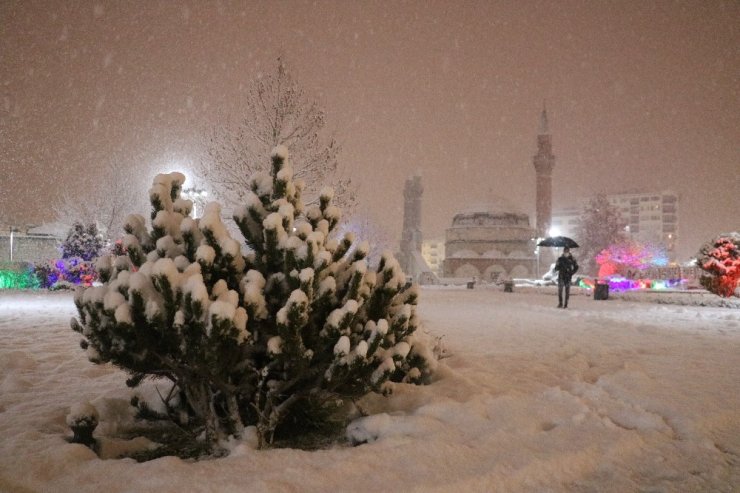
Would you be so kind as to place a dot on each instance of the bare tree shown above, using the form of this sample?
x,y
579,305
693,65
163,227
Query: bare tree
x,y
103,199
600,226
277,112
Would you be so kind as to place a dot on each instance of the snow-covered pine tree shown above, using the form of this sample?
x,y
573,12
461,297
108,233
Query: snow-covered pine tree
x,y
599,226
245,339
720,259
83,242
331,328
169,308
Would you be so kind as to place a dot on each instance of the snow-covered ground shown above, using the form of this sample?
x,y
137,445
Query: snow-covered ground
x,y
607,396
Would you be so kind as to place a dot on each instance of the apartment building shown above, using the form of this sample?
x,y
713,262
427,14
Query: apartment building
x,y
650,217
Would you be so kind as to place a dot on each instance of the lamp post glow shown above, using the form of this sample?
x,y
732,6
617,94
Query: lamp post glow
x,y
195,195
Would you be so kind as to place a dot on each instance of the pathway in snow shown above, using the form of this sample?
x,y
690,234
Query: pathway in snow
x,y
638,395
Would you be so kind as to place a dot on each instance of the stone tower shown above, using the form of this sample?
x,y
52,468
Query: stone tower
x,y
410,257
544,162
411,234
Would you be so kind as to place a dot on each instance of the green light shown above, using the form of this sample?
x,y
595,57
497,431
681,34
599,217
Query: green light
x,y
14,279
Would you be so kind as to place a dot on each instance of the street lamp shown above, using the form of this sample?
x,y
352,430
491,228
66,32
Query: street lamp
x,y
11,243
195,195
536,241
13,230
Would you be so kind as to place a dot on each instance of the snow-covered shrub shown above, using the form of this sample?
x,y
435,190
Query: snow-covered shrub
x,y
83,419
720,259
82,414
246,339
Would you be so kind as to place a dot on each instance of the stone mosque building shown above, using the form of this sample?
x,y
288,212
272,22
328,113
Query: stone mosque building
x,y
496,240
489,241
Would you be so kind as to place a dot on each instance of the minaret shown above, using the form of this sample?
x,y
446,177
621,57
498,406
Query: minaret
x,y
544,162
410,252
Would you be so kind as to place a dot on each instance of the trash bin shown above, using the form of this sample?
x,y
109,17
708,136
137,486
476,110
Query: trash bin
x,y
471,284
508,286
601,292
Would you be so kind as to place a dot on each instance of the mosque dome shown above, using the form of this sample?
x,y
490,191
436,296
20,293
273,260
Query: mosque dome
x,y
494,205
493,213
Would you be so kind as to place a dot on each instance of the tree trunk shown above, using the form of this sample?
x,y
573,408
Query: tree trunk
x,y
200,396
234,417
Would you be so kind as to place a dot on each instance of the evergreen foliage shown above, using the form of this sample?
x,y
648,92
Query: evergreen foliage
x,y
600,226
84,242
720,259
279,335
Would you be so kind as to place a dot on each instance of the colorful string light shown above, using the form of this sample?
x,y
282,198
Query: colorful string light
x,y
618,283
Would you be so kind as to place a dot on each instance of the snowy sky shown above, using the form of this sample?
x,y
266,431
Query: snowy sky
x,y
640,96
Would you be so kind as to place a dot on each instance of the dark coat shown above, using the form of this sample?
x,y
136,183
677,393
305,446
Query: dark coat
x,y
566,266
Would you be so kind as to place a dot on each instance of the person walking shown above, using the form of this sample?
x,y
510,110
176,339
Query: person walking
x,y
565,266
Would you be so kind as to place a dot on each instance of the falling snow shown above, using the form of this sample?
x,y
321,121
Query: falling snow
x,y
640,97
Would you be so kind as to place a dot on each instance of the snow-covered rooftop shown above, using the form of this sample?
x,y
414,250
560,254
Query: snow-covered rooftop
x,y
494,206
56,229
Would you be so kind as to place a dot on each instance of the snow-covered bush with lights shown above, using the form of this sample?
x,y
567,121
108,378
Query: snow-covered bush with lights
x,y
65,273
720,259
80,248
298,323
84,242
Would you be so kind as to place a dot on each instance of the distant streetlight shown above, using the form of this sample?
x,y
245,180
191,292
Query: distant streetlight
x,y
12,232
195,195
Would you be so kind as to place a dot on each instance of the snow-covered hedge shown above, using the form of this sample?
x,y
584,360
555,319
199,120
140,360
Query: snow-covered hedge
x,y
245,338
720,259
